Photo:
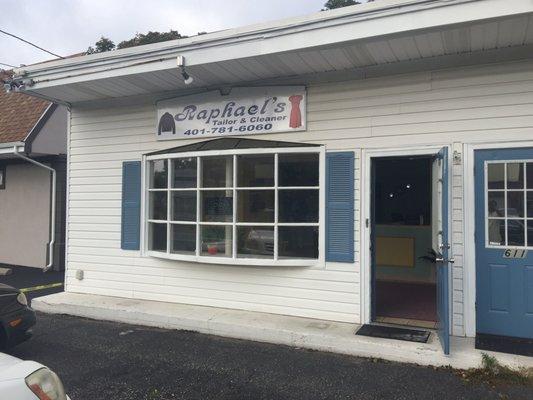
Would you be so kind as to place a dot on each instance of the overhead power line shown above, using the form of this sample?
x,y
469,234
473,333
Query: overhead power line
x,y
7,65
30,43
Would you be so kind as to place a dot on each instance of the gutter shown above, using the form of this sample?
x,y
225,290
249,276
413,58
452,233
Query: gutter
x,y
15,151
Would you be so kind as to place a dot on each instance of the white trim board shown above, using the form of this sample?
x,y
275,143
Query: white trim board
x,y
365,264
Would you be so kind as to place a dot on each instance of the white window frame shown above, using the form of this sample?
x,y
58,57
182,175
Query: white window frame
x,y
234,260
505,218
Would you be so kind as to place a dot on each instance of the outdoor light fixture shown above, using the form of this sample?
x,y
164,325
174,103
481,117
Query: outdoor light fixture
x,y
187,79
16,85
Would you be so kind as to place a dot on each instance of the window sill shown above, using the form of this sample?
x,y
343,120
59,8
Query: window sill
x,y
237,261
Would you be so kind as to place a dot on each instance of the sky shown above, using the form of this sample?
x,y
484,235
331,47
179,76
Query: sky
x,y
70,26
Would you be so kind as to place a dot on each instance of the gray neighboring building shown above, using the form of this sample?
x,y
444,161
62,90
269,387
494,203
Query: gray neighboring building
x,y
32,130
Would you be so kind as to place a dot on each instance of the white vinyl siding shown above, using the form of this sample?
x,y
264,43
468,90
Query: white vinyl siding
x,y
449,107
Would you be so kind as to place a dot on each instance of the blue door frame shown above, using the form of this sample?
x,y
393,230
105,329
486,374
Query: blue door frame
x,y
504,286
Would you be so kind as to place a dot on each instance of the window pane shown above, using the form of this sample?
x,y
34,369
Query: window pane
x,y
184,206
158,205
217,206
529,175
217,171
496,228
158,174
515,204
255,206
183,239
496,204
515,232
255,242
529,205
298,242
496,176
216,240
157,237
298,205
300,169
184,173
255,170
530,233
515,176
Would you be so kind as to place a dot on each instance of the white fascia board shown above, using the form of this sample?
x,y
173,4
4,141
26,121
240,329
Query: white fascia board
x,y
358,23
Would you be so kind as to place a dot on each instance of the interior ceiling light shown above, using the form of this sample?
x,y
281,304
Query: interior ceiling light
x,y
187,79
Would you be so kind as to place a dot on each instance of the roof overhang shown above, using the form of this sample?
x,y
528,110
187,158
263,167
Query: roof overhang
x,y
388,32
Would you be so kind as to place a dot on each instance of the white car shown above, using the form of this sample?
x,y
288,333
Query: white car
x,y
28,380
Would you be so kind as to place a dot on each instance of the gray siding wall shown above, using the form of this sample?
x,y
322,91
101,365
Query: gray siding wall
x,y
52,138
24,216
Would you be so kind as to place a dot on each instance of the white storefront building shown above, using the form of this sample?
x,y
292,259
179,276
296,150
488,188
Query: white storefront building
x,y
368,165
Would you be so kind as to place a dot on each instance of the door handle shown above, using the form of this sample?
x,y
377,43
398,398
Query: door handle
x,y
442,260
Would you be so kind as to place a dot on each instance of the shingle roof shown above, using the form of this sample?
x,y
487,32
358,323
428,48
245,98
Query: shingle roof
x,y
18,113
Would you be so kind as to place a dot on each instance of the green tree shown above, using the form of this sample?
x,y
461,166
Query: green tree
x,y
331,4
104,44
150,37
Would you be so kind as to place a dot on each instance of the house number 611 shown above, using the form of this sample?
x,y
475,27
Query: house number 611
x,y
515,253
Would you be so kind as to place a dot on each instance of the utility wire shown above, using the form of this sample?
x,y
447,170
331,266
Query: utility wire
x,y
7,65
30,43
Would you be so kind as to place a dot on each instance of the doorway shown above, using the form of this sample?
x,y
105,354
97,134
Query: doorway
x,y
403,268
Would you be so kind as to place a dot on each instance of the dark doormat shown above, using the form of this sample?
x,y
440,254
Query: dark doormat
x,y
389,332
505,344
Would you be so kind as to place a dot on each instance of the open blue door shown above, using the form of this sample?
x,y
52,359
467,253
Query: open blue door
x,y
441,245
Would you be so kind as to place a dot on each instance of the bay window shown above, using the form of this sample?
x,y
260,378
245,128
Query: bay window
x,y
257,206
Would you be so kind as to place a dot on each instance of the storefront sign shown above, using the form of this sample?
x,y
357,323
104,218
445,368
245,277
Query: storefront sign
x,y
245,111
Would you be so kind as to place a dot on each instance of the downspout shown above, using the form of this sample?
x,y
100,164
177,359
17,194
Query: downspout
x,y
52,206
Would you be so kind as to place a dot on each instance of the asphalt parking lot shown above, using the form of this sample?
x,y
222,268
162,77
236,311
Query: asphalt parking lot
x,y
33,281
112,361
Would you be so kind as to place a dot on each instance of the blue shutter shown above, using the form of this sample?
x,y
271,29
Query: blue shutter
x,y
131,205
340,207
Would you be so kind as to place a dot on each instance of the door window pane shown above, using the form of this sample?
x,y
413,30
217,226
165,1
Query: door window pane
x,y
216,241
529,175
255,206
298,205
217,206
300,169
255,241
184,173
515,175
298,242
158,174
183,239
184,206
158,205
515,232
529,205
157,237
217,171
496,204
496,230
496,175
530,233
255,170
515,204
